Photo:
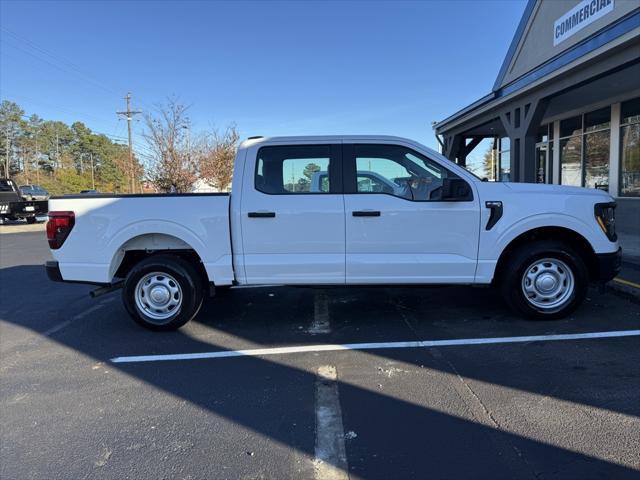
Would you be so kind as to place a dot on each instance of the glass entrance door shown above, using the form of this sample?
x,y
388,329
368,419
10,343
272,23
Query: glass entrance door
x,y
542,163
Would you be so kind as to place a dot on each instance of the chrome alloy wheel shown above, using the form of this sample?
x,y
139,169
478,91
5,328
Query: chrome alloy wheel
x,y
158,296
548,284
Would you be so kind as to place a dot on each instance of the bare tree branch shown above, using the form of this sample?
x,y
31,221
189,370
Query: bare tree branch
x,y
174,168
217,155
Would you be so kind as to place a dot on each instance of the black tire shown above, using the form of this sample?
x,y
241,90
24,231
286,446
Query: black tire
x,y
524,259
190,288
31,220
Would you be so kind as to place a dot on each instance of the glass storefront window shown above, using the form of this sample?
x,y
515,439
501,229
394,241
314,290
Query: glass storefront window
x,y
630,149
598,120
630,111
541,163
543,134
571,161
584,152
571,126
596,160
544,153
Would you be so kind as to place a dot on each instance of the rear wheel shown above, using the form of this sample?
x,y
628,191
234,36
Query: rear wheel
x,y
163,292
544,280
31,220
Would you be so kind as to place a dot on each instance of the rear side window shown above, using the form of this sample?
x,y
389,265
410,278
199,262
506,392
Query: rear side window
x,y
282,170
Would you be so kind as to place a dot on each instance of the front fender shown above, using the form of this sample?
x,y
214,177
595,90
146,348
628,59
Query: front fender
x,y
502,235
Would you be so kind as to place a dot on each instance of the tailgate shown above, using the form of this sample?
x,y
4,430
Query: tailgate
x,y
28,207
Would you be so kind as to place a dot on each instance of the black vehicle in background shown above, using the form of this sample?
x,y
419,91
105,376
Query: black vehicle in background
x,y
33,192
14,207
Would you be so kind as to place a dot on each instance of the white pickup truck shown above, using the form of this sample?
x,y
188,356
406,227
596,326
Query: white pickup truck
x,y
347,210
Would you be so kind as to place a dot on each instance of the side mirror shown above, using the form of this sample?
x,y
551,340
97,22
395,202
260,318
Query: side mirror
x,y
456,189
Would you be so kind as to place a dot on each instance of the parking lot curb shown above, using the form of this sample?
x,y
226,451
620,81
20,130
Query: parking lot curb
x,y
626,287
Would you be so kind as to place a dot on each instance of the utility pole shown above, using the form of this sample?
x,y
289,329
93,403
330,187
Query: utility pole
x,y
187,128
129,116
25,165
93,179
37,157
6,160
57,151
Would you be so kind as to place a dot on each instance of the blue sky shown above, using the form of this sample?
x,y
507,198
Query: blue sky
x,y
273,68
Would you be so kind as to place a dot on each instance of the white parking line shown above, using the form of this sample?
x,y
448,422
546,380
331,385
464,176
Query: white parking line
x,y
320,322
66,323
255,352
331,457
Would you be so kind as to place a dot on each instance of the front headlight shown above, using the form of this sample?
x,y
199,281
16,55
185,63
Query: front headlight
x,y
606,218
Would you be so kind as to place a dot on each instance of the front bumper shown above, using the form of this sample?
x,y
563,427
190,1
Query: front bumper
x,y
609,265
53,271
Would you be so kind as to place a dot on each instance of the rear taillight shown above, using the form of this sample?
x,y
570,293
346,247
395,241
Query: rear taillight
x,y
58,228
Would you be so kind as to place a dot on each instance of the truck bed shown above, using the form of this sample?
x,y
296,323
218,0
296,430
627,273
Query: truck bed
x,y
106,226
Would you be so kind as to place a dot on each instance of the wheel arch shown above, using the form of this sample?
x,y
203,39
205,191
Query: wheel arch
x,y
566,235
135,249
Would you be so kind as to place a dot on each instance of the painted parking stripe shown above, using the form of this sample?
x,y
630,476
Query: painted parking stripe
x,y
373,346
331,457
320,322
626,282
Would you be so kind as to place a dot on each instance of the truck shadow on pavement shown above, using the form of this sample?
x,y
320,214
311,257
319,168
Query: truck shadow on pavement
x,y
257,392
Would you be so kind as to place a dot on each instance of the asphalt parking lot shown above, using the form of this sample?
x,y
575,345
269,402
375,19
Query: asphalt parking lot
x,y
542,407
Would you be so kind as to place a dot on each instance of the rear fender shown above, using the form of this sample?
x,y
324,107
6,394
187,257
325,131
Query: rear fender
x,y
154,235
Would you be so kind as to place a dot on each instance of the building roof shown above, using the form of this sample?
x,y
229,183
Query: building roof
x,y
514,43
601,37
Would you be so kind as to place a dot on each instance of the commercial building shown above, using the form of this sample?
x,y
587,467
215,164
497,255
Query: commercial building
x,y
565,106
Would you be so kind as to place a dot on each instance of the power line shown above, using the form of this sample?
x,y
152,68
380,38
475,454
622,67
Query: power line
x,y
56,57
83,116
70,67
56,107
95,132
62,69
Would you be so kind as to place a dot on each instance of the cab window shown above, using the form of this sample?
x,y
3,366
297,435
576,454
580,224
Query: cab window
x,y
398,171
295,169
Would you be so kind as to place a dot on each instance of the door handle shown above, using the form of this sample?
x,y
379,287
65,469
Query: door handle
x,y
366,213
262,214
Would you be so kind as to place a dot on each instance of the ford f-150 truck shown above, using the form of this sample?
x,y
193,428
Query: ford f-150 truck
x,y
348,210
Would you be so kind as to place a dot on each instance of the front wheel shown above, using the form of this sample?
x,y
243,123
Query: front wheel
x,y
544,280
163,292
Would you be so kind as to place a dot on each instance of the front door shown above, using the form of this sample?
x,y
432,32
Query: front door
x,y
293,216
398,230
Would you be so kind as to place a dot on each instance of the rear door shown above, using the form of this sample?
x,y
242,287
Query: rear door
x,y
398,230
292,216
